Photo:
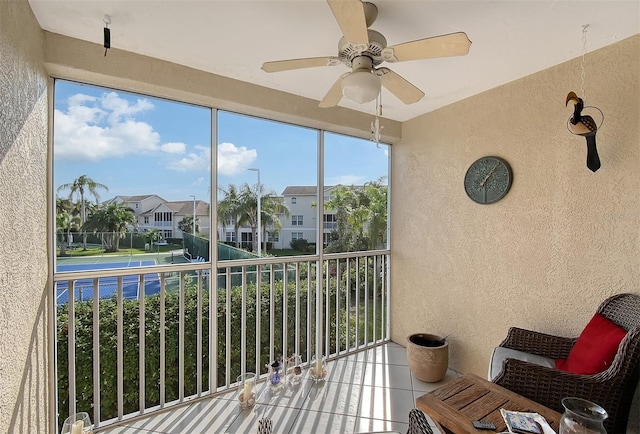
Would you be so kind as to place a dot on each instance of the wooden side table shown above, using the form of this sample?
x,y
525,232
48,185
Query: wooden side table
x,y
458,403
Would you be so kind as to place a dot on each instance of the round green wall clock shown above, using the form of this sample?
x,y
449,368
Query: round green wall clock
x,y
488,180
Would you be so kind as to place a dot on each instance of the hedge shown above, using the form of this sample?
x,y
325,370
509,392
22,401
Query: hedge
x,y
131,383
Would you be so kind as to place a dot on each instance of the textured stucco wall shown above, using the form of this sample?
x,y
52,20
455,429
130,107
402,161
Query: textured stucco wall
x,y
23,223
561,241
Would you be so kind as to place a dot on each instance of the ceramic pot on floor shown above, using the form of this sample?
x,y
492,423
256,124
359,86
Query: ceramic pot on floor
x,y
428,356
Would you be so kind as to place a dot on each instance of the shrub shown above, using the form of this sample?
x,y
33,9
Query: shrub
x,y
300,245
131,343
108,337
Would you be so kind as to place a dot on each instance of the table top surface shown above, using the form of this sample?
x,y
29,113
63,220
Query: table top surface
x,y
456,404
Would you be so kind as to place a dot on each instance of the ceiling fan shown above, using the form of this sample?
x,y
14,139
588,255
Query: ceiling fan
x,y
363,50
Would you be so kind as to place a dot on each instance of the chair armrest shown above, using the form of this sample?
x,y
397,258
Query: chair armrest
x,y
548,386
553,347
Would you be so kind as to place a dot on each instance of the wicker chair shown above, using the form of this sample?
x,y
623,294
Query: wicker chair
x,y
612,389
418,423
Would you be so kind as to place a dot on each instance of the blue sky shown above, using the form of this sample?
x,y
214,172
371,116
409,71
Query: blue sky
x,y
137,145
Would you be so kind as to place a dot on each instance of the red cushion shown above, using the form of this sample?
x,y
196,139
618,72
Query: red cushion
x,y
595,348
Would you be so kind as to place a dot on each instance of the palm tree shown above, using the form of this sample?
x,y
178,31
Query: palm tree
x,y
67,219
79,187
247,209
152,236
186,224
62,222
230,208
240,205
113,219
271,208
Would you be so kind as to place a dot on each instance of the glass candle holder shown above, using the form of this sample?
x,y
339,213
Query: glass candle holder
x,y
318,369
276,369
582,417
77,423
247,395
294,369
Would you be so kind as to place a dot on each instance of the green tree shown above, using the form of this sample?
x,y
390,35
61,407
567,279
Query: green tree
x,y
186,224
361,216
240,206
230,209
151,236
67,220
80,187
377,211
113,220
62,224
271,208
248,208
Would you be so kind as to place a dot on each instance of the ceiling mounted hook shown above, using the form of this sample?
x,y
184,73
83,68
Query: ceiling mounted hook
x,y
107,34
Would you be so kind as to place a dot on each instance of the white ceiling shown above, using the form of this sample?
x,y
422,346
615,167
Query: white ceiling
x,y
510,39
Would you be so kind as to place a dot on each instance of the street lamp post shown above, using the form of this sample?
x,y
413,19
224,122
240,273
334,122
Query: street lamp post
x,y
259,214
194,215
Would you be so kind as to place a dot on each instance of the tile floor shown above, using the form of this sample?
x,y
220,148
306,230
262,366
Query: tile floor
x,y
372,390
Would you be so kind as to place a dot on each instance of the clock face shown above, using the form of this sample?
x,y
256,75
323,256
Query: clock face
x,y
488,180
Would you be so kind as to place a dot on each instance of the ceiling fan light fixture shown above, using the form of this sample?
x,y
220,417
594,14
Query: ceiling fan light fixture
x,y
363,50
361,86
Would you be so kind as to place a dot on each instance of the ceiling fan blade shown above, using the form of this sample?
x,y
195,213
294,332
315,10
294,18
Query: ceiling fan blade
x,y
333,97
405,91
453,44
310,62
351,19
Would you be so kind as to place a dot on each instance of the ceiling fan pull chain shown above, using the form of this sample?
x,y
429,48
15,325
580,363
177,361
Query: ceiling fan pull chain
x,y
583,87
375,125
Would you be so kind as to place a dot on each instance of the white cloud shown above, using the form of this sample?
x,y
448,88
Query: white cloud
x,y
79,98
199,181
174,148
87,115
96,128
78,138
92,129
139,133
233,160
121,108
193,161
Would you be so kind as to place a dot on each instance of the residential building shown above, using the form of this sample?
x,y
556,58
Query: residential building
x,y
301,201
301,222
153,212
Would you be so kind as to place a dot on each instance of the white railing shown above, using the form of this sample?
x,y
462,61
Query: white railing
x,y
136,340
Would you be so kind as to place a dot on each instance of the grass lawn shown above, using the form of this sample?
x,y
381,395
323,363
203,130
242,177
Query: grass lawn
x,y
97,250
286,252
93,250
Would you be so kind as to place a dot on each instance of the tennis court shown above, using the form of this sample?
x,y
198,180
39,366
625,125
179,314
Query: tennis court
x,y
107,286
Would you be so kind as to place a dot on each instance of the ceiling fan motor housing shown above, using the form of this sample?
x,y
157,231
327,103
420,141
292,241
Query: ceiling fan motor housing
x,y
361,85
347,51
363,50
